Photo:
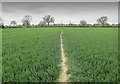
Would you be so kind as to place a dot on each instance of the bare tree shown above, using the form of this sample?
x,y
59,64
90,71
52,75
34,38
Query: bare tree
x,y
14,23
48,19
83,22
102,20
1,23
42,23
26,20
70,23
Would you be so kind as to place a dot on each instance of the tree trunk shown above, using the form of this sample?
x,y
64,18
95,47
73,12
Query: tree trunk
x,y
48,24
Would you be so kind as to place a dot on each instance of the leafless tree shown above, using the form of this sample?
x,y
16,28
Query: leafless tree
x,y
14,23
1,23
26,20
102,20
48,19
42,23
83,22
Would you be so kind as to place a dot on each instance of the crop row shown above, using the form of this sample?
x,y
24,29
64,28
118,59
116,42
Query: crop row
x,y
31,55
92,54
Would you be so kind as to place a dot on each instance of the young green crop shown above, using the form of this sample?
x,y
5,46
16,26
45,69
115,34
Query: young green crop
x,y
92,54
31,55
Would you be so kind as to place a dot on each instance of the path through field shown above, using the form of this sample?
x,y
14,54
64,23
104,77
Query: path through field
x,y
63,75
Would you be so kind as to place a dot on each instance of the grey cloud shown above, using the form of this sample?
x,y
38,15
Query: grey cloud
x,y
61,10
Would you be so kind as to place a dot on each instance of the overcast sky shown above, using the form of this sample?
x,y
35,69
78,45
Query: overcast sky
x,y
62,11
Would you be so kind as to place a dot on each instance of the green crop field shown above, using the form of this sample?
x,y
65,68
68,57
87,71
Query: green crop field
x,y
34,55
92,54
30,55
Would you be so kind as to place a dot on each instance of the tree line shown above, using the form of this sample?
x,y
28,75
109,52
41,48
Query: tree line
x,y
26,23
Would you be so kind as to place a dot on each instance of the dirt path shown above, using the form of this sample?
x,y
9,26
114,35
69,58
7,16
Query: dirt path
x,y
63,75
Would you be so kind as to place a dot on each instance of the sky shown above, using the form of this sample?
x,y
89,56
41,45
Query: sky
x,y
63,12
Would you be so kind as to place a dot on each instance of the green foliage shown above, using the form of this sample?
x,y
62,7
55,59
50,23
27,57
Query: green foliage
x,y
92,54
31,55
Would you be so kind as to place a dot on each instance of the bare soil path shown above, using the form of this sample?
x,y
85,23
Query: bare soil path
x,y
63,75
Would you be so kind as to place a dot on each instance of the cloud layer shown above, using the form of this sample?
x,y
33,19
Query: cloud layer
x,y
62,11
